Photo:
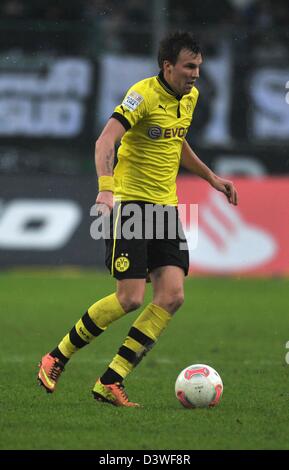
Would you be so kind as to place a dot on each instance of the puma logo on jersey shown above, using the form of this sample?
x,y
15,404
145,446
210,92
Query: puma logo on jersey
x,y
163,107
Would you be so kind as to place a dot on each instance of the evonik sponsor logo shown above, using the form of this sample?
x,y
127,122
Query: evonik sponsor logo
x,y
155,132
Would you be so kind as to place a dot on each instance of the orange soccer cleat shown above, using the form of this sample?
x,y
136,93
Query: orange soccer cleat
x,y
50,369
113,393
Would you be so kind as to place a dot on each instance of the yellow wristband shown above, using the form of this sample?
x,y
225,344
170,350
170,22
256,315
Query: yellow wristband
x,y
105,183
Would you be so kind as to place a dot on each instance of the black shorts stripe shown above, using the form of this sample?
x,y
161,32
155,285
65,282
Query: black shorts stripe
x,y
127,354
140,337
90,325
75,339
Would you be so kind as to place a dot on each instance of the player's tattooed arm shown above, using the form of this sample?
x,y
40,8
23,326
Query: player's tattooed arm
x,y
104,160
105,147
109,159
104,157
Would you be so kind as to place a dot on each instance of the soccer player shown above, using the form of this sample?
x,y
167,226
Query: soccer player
x,y
151,124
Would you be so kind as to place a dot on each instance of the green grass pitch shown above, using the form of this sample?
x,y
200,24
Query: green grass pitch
x,y
238,326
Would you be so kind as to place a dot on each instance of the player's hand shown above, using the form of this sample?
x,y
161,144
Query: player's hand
x,y
226,187
104,202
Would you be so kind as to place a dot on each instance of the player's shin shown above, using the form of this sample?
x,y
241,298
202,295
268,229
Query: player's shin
x,y
141,338
98,317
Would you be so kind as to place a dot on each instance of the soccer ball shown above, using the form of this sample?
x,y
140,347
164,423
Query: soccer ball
x,y
199,386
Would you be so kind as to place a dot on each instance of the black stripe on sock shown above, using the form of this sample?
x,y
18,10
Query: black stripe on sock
x,y
90,325
57,353
75,339
127,354
140,337
110,377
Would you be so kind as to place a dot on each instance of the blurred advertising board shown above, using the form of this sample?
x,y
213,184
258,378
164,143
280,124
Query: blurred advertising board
x,y
44,97
47,101
46,220
251,239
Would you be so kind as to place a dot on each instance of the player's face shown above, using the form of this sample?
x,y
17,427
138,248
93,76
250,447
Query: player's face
x,y
182,75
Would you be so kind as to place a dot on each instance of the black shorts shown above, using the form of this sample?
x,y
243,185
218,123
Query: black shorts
x,y
141,237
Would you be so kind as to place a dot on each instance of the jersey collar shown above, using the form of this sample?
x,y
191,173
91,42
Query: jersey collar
x,y
166,86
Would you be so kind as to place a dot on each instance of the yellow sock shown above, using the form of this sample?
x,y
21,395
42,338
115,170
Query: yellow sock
x,y
106,311
141,338
98,317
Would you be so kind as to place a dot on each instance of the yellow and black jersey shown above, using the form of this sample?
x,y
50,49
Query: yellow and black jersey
x,y
156,120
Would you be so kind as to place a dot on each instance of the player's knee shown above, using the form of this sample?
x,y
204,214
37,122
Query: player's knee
x,y
171,301
130,302
176,302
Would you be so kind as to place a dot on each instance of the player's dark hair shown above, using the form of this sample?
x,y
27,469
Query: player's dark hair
x,y
173,43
